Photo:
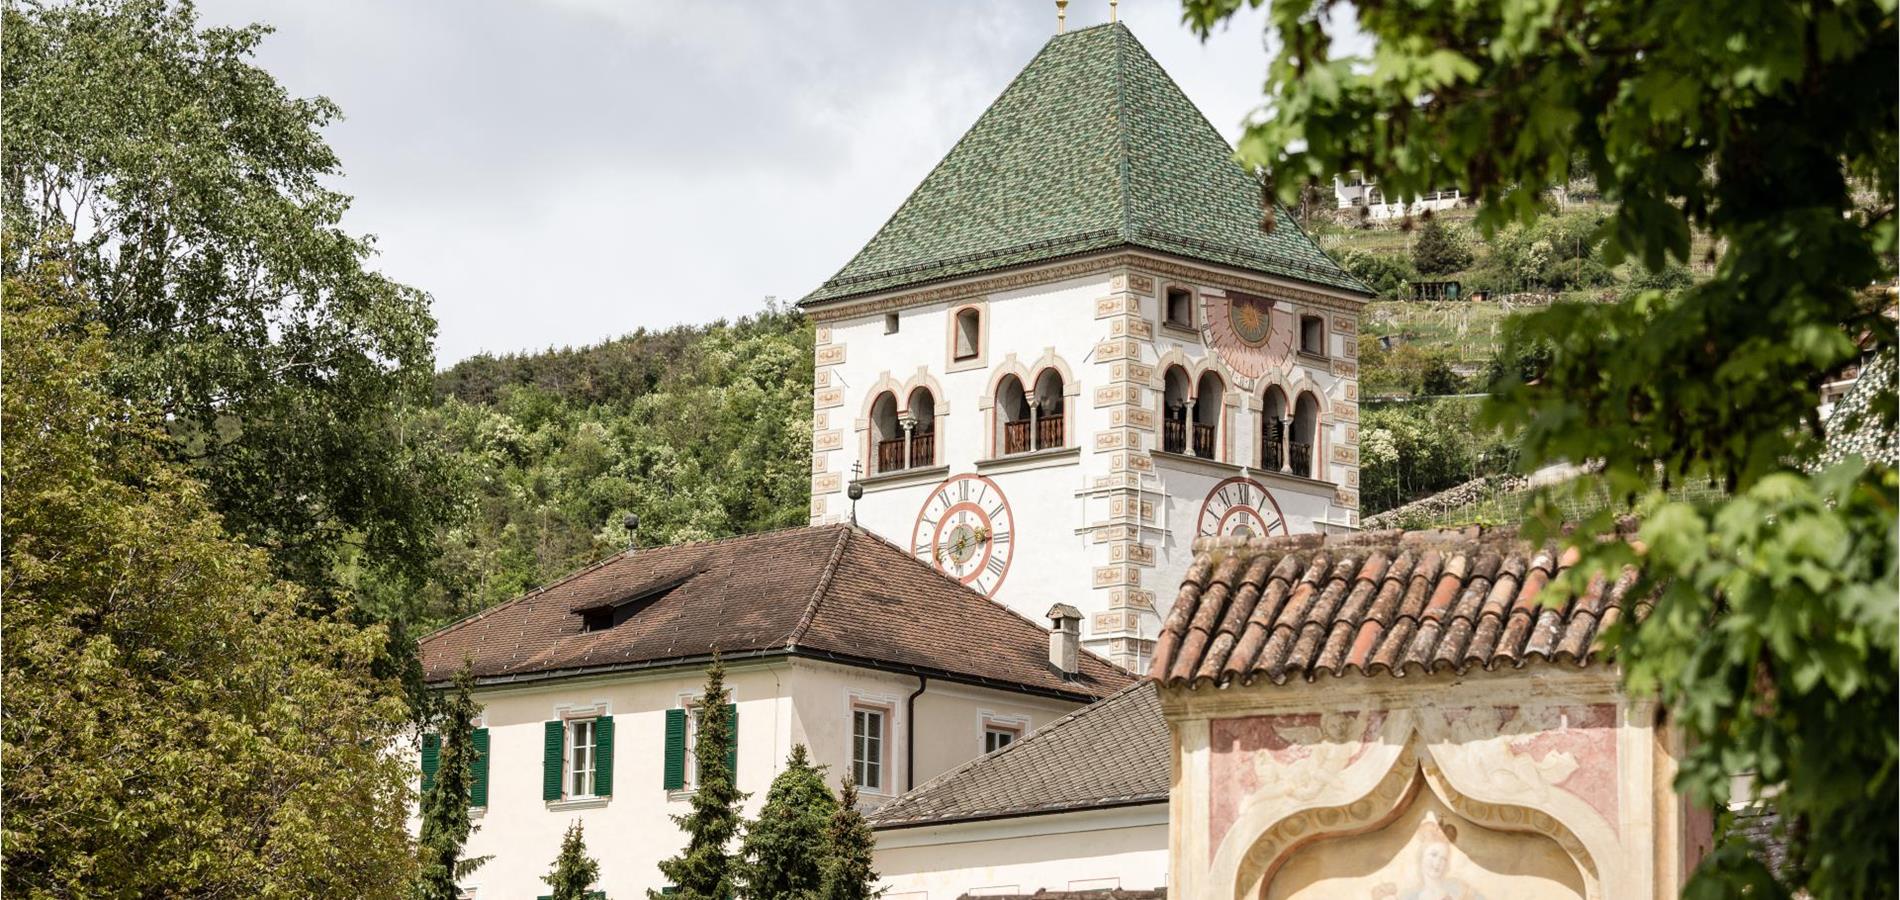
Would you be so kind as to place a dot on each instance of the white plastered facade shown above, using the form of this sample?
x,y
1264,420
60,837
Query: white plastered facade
x,y
1107,521
781,701
1124,848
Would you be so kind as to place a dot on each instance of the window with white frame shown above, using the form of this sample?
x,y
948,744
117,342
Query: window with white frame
x,y
868,741
580,758
692,745
996,737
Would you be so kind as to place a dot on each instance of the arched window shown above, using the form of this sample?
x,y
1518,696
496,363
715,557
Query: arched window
x,y
887,436
1012,417
1300,449
923,429
1047,410
969,334
1207,407
1273,433
1175,391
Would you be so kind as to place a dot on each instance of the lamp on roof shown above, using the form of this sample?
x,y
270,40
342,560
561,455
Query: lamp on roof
x,y
632,522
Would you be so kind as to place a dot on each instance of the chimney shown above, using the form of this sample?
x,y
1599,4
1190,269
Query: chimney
x,y
632,523
1065,638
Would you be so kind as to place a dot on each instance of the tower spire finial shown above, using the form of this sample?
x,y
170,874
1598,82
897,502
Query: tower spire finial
x,y
1062,16
1111,9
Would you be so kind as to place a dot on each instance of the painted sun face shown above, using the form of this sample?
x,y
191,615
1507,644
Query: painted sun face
x,y
1249,333
967,531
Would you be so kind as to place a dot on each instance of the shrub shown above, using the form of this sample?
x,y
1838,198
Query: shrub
x,y
1385,275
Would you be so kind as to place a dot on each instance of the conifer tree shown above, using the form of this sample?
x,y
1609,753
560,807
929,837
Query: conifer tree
x,y
704,869
848,873
574,871
785,848
1438,253
445,822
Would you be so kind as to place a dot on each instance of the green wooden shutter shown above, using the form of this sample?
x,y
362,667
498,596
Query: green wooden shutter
x,y
675,747
553,734
431,759
478,770
604,756
732,751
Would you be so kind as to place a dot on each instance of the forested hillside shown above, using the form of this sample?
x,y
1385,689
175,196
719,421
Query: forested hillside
x,y
704,431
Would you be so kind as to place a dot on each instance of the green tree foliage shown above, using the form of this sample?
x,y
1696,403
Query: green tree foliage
x,y
574,871
848,873
445,821
1386,275
706,869
1437,252
187,189
1409,450
172,728
1759,123
704,431
787,847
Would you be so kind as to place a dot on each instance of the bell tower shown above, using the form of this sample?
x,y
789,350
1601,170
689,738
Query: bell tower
x,y
1075,349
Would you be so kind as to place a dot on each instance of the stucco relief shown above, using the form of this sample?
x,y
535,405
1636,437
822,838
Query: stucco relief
x,y
1543,769
1428,852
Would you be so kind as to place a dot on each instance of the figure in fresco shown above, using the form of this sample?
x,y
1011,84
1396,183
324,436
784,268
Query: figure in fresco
x,y
1434,881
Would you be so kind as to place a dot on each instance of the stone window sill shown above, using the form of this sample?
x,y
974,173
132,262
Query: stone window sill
x,y
904,477
1035,459
567,803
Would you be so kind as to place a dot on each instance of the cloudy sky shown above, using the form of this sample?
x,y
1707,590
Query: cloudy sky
x,y
562,171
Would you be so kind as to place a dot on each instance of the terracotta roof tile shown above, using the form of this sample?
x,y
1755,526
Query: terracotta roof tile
x,y
833,592
1376,602
1112,753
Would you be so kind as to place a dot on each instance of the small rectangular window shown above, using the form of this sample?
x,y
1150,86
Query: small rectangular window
x,y
580,758
867,748
890,323
1180,307
1313,335
969,334
996,738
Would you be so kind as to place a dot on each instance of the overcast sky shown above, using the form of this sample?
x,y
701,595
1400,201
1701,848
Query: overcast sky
x,y
563,171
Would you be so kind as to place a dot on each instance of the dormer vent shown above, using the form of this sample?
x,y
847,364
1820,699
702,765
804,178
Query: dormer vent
x,y
608,614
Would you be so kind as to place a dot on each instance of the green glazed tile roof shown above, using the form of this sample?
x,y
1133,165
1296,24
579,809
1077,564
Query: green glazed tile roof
x,y
1093,146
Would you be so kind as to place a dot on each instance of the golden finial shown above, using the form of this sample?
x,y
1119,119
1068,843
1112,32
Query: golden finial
x,y
1062,16
1111,9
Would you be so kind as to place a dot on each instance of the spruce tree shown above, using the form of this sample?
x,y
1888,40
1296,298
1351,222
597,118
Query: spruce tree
x,y
848,873
705,869
445,822
785,848
574,871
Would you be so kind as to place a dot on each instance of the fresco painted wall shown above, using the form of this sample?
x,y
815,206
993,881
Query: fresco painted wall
x,y
1543,782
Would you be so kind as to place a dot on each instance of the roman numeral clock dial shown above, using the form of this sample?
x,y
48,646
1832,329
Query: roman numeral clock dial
x,y
1240,507
966,530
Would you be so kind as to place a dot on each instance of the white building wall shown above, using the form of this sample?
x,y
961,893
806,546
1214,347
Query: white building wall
x,y
1124,848
1107,524
780,702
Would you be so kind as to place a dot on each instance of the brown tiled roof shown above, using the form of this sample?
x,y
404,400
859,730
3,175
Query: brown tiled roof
x,y
1372,602
832,592
1111,753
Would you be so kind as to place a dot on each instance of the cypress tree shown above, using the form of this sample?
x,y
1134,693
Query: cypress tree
x,y
574,871
704,869
445,822
848,873
786,847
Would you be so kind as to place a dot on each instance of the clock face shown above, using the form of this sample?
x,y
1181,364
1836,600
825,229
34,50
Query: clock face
x,y
965,529
1250,335
1240,507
